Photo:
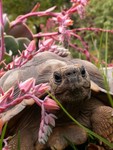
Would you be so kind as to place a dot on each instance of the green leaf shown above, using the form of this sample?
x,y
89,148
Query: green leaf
x,y
3,135
11,44
22,42
18,146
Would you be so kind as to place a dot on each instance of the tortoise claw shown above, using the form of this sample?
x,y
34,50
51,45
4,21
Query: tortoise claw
x,y
92,146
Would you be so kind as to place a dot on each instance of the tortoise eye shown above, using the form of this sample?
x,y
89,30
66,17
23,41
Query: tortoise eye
x,y
83,71
57,77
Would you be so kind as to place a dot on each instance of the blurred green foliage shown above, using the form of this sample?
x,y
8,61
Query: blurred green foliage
x,y
19,7
98,14
101,13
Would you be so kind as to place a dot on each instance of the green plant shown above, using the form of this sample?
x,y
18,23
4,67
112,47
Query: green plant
x,y
3,136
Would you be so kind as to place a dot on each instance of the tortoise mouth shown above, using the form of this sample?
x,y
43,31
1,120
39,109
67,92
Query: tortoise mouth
x,y
73,95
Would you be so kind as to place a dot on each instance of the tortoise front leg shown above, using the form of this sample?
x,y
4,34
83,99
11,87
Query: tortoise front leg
x,y
26,141
102,123
62,135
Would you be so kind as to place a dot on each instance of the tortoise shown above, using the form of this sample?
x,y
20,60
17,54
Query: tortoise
x,y
79,87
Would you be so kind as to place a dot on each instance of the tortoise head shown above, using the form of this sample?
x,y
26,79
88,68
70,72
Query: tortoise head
x,y
70,83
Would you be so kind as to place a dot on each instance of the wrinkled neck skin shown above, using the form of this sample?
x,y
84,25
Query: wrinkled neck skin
x,y
73,104
81,110
72,108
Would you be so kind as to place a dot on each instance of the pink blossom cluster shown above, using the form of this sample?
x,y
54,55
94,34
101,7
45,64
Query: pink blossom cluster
x,y
28,94
47,122
26,55
30,52
79,6
26,90
62,22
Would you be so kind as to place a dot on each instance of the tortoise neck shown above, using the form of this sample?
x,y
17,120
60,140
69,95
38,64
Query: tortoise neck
x,y
73,108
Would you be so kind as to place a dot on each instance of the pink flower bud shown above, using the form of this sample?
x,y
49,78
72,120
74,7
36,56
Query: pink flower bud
x,y
48,42
8,94
25,54
10,66
27,85
32,46
68,22
17,61
60,18
41,89
50,104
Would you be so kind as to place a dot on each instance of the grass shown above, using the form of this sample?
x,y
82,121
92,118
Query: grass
x,y
106,62
100,65
105,77
18,146
2,136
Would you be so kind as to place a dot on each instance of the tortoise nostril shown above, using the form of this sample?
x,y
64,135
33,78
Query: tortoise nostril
x,y
74,72
70,72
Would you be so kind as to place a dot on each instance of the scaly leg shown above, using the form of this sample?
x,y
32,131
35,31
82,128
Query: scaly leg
x,y
102,123
60,137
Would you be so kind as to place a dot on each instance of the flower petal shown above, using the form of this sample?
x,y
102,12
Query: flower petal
x,y
50,104
27,85
8,94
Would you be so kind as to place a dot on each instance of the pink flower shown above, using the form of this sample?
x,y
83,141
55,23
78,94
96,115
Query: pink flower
x,y
10,66
50,104
78,6
46,125
63,20
68,22
32,46
7,95
83,2
27,85
17,61
42,88
45,44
